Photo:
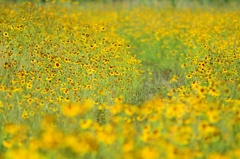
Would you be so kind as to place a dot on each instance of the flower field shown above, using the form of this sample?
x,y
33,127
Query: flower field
x,y
119,80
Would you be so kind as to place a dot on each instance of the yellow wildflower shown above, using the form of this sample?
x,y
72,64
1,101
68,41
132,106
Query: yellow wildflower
x,y
70,109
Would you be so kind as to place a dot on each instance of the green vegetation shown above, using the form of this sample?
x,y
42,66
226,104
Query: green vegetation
x,y
120,79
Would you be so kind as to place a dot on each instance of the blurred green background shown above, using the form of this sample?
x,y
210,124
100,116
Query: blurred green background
x,y
173,2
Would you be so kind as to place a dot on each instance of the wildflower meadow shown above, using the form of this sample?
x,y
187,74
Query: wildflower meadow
x,y
120,79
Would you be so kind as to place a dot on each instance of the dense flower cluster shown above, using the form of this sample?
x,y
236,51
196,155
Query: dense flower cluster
x,y
51,55
203,42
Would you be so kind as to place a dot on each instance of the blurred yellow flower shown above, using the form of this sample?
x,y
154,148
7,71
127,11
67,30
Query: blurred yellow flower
x,y
25,114
1,104
71,109
8,143
5,34
213,116
127,146
84,124
150,153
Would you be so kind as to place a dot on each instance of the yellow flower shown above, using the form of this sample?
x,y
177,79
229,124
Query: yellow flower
x,y
29,85
184,65
118,100
51,138
213,116
127,146
84,124
217,156
205,128
25,114
149,153
70,109
176,110
11,128
82,144
1,104
57,65
107,135
8,144
23,153
5,34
